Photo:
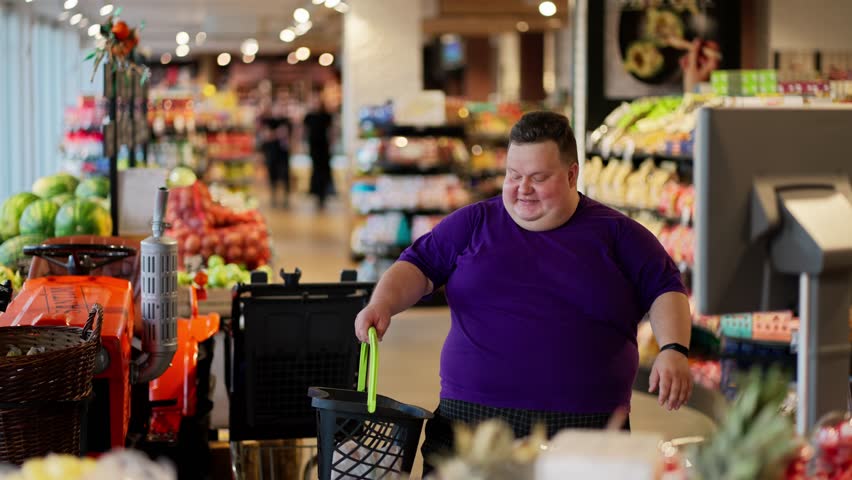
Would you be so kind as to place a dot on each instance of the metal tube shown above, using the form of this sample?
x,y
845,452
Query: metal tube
x,y
803,357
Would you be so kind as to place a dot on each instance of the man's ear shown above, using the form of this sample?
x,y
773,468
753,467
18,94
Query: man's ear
x,y
573,174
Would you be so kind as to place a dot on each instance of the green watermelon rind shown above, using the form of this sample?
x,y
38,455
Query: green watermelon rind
x,y
97,187
12,250
39,218
11,211
82,217
48,187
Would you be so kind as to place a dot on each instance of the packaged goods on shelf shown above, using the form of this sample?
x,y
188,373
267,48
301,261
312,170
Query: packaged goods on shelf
x,y
400,153
82,144
409,193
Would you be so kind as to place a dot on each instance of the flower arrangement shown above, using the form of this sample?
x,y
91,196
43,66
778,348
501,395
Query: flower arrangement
x,y
117,44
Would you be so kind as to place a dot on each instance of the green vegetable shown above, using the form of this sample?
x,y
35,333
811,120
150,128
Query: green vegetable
x,y
184,278
215,261
12,250
11,211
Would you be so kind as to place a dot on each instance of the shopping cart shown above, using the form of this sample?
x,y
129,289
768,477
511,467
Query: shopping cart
x,y
282,339
362,435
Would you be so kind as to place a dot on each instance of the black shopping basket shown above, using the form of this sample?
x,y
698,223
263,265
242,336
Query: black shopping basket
x,y
283,339
362,435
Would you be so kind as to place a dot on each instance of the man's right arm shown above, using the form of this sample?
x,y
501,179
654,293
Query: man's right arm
x,y
400,287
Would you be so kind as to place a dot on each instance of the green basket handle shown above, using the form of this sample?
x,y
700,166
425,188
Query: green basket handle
x,y
374,368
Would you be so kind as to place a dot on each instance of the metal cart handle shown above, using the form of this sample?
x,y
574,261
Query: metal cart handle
x,y
374,369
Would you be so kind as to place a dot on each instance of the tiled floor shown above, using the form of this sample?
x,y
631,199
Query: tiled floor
x,y
316,243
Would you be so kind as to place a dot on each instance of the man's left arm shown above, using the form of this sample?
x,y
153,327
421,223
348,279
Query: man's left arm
x,y
671,322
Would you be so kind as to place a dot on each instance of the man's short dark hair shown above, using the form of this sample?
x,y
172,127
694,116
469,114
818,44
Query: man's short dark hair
x,y
537,127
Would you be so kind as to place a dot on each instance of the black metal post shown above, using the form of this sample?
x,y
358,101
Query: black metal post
x,y
110,77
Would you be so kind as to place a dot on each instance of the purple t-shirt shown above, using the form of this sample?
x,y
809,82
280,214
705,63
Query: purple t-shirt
x,y
543,320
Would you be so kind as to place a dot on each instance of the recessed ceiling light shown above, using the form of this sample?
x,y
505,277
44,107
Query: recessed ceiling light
x,y
182,38
182,50
69,4
547,8
326,59
303,53
342,8
223,59
200,38
250,47
287,35
75,19
94,30
331,3
303,28
106,9
292,59
165,58
300,15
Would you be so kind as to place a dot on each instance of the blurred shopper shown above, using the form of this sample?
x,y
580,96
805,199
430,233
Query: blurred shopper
x,y
275,133
318,123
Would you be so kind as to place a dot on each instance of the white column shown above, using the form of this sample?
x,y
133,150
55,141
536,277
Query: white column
x,y
382,58
508,67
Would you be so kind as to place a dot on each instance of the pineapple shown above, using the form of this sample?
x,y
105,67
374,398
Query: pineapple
x,y
755,441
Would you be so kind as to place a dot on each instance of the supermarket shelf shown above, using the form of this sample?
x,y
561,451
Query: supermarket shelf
x,y
415,131
235,182
242,158
641,156
387,169
406,211
653,212
489,138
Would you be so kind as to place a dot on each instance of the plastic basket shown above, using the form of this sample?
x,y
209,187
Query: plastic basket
x,y
42,396
362,435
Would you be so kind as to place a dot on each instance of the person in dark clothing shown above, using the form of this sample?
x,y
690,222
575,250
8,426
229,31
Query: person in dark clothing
x,y
317,126
275,145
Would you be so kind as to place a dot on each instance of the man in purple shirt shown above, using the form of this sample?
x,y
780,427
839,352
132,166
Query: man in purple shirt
x,y
546,288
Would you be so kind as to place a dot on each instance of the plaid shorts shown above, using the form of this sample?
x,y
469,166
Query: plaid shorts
x,y
439,430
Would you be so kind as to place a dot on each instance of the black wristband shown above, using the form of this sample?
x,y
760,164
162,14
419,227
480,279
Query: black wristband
x,y
676,347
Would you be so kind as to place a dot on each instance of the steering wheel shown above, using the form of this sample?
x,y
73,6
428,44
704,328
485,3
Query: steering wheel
x,y
81,258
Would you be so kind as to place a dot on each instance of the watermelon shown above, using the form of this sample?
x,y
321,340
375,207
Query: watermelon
x,y
62,199
12,250
11,211
93,187
47,187
82,217
38,218
70,180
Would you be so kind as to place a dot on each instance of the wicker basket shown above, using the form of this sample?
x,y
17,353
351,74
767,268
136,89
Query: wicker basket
x,y
42,396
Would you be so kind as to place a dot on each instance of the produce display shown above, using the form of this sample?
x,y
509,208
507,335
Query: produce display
x,y
204,227
59,205
218,274
126,465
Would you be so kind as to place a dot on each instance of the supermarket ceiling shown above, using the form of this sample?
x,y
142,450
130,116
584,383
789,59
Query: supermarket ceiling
x,y
227,23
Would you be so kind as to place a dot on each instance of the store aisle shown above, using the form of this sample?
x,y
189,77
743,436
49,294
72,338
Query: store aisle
x,y
316,243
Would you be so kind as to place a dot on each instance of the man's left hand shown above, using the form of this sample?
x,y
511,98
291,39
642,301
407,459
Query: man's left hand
x,y
671,374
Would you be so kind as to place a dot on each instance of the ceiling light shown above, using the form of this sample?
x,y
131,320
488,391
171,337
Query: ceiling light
x,y
29,1
94,30
292,59
317,2
522,26
326,59
69,4
547,8
303,53
303,28
287,35
331,3
342,7
248,58
75,19
223,59
165,58
300,15
400,142
182,50
182,38
106,9
250,47
200,38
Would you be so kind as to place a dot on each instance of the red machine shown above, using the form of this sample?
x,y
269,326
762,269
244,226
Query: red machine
x,y
166,414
